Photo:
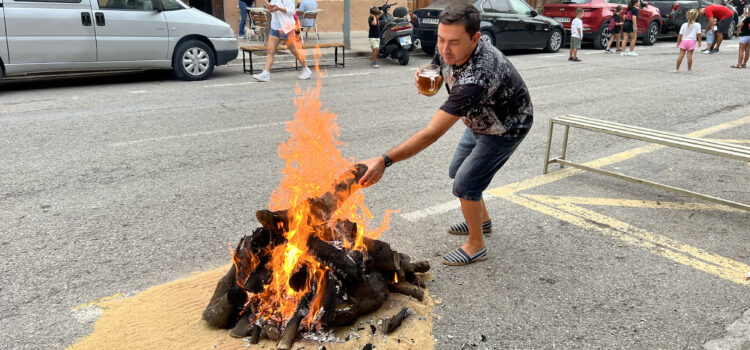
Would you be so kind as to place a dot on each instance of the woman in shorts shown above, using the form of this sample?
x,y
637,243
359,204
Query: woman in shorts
x,y
630,28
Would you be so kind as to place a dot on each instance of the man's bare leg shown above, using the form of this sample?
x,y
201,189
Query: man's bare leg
x,y
473,211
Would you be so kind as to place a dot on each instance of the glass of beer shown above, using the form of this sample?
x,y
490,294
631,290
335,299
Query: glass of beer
x,y
429,79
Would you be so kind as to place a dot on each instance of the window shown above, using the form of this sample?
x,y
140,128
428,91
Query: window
x,y
500,5
63,1
487,6
137,5
520,7
171,5
577,1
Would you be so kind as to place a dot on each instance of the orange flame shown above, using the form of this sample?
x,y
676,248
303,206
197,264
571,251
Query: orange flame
x,y
313,163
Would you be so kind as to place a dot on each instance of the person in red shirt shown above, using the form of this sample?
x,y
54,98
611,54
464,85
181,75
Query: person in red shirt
x,y
721,14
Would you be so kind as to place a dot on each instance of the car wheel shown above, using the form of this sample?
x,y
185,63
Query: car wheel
x,y
555,41
487,35
652,33
430,50
404,58
732,28
602,36
193,60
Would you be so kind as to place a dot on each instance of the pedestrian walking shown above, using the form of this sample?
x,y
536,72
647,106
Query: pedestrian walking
x,y
576,34
687,40
615,30
487,93
630,28
283,29
721,17
244,4
744,30
373,21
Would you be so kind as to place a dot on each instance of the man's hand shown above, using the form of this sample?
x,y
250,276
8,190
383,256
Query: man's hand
x,y
272,8
416,81
375,169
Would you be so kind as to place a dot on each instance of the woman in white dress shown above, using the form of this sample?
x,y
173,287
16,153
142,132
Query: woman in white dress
x,y
282,28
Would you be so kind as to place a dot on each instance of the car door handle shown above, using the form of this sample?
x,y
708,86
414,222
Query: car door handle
x,y
86,19
99,18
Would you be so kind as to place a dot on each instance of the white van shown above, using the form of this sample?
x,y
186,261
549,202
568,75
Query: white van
x,y
47,36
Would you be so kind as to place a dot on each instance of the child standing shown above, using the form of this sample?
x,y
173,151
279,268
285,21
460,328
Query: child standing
x,y
374,21
576,34
616,31
744,30
690,32
710,39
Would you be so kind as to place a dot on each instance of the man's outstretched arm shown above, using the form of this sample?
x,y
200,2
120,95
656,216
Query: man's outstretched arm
x,y
441,122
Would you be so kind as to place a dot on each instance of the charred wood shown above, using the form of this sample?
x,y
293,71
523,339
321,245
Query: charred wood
x,y
226,303
366,296
255,334
324,206
334,258
391,323
298,279
270,331
407,289
276,221
290,332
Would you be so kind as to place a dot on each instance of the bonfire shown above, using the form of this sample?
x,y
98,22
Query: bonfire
x,y
313,264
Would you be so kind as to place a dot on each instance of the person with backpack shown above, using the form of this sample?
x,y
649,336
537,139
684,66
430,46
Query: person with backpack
x,y
630,28
615,29
690,33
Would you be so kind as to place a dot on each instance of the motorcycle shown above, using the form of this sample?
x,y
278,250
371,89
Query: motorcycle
x,y
395,35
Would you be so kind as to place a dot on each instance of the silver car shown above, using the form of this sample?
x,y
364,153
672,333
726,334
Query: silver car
x,y
46,36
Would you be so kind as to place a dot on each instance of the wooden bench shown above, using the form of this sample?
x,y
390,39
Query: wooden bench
x,y
247,54
696,144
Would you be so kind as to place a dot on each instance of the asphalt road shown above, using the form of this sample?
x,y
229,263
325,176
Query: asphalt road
x,y
113,184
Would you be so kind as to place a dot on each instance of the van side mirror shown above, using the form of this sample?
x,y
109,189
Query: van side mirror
x,y
158,6
533,13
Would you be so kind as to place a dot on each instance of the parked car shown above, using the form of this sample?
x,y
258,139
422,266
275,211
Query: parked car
x,y
597,14
49,36
508,24
678,13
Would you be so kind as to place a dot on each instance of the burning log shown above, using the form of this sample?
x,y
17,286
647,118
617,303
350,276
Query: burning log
x,y
299,278
277,221
324,206
290,332
391,323
407,289
255,334
334,258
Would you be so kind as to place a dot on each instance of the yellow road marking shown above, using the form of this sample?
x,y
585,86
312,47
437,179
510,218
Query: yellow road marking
x,y
688,255
564,208
731,140
635,203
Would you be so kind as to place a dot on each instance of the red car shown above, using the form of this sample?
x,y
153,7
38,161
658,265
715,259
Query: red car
x,y
597,15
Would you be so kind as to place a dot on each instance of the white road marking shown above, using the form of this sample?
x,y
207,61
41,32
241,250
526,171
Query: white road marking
x,y
553,56
139,92
211,132
347,75
438,209
229,84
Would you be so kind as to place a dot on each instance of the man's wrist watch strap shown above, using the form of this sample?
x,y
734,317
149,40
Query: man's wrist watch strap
x,y
387,160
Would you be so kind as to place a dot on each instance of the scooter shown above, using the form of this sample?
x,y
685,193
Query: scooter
x,y
395,37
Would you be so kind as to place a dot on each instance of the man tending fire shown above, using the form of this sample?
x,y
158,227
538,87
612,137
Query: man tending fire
x,y
488,94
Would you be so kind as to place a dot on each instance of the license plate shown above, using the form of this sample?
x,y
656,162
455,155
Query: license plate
x,y
404,40
430,21
562,19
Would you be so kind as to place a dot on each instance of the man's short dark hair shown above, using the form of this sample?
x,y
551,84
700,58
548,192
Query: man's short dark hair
x,y
462,13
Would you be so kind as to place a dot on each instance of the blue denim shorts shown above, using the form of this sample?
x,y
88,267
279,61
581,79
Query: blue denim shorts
x,y
478,157
278,34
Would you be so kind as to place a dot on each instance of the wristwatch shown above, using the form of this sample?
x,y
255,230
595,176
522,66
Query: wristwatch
x,y
387,160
